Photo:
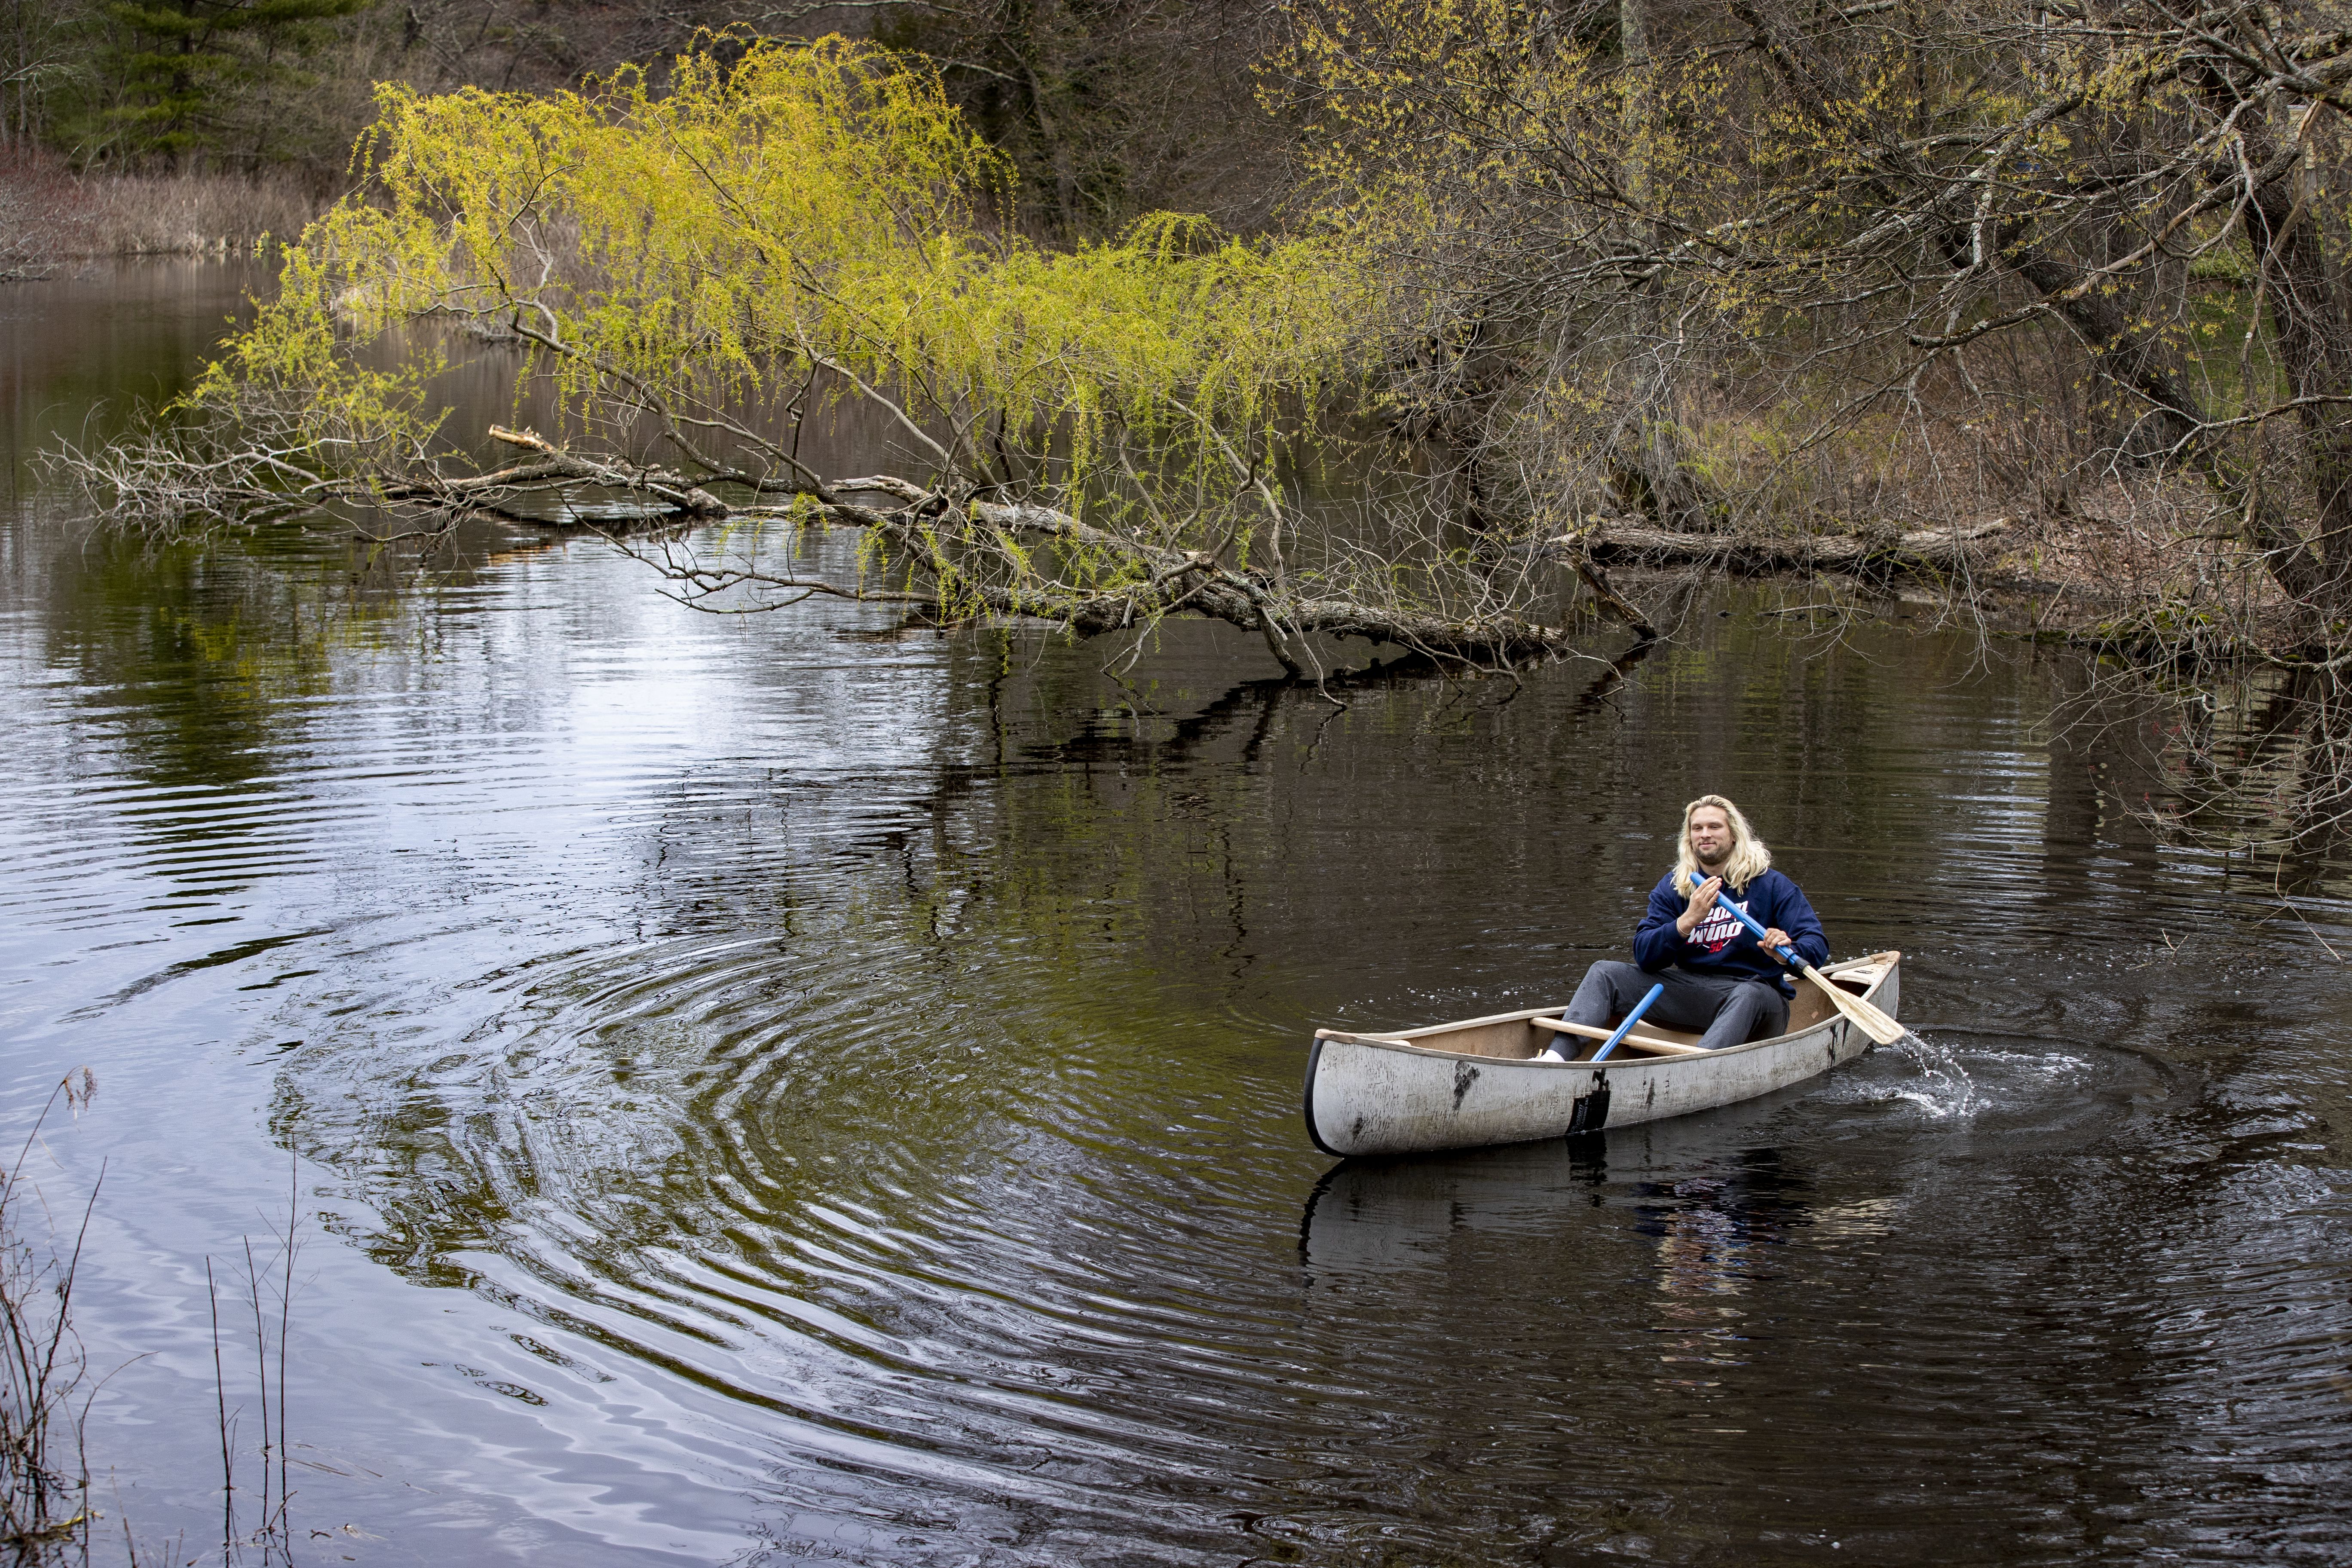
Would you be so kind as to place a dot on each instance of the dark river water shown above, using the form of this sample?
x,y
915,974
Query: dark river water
x,y
771,1088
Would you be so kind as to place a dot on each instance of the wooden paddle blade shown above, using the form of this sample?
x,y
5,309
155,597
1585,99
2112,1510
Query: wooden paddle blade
x,y
1867,1017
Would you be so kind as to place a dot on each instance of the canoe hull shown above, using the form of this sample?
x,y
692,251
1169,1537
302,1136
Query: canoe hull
x,y
1461,1086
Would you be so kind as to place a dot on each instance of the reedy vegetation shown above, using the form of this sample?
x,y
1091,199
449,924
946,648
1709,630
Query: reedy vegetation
x,y
44,1393
47,1388
50,216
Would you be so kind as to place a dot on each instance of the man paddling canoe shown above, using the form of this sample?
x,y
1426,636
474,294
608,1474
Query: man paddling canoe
x,y
1719,982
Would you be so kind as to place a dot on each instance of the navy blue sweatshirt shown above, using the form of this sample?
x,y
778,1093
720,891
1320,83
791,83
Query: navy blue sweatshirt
x,y
1719,944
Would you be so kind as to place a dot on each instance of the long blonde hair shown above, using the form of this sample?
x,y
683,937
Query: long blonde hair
x,y
1750,858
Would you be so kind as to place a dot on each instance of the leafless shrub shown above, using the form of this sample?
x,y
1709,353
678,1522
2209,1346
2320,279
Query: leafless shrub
x,y
44,1388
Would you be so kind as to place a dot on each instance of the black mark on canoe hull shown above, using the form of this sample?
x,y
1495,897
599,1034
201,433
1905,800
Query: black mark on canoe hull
x,y
1465,1075
1591,1112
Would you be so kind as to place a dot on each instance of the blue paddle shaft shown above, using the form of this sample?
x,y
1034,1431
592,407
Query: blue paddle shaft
x,y
1787,954
1631,1018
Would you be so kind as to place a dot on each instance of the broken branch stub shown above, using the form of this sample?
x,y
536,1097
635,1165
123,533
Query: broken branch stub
x,y
674,490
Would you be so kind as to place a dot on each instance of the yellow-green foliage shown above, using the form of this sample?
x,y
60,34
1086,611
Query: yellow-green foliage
x,y
709,240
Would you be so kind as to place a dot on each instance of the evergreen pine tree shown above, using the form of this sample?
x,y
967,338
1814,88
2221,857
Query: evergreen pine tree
x,y
206,79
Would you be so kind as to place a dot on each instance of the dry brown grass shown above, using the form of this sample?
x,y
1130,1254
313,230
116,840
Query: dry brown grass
x,y
51,216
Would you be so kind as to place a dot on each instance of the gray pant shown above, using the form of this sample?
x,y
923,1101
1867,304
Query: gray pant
x,y
1728,1012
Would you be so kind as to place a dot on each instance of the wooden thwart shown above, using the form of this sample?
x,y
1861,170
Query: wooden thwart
x,y
1640,1042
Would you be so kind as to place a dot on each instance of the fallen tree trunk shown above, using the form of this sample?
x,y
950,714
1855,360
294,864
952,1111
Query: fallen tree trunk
x,y
963,554
674,491
1866,554
1160,582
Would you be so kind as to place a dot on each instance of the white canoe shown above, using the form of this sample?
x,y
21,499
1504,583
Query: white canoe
x,y
1459,1086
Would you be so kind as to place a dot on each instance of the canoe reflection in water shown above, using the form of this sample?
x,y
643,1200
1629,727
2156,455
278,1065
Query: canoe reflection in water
x,y
1372,1217
1667,1250
1709,1228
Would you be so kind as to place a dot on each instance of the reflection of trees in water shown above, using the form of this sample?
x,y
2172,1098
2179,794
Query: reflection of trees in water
x,y
83,351
2255,762
868,1017
202,645
849,997
199,671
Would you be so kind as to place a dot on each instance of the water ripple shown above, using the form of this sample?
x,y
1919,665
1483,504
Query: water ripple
x,y
773,1092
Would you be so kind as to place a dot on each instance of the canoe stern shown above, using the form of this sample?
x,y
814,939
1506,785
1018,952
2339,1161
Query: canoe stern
x,y
1367,1096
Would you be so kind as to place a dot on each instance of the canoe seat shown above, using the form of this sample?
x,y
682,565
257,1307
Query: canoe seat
x,y
1651,1044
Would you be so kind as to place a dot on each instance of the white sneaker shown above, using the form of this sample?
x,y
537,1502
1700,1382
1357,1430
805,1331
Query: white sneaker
x,y
1550,1053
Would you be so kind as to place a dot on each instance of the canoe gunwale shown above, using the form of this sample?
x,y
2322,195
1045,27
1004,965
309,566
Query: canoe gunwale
x,y
1407,1039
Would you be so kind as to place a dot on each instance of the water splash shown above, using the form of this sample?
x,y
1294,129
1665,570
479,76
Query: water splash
x,y
1944,1088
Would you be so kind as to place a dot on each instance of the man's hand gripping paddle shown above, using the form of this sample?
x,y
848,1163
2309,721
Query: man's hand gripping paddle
x,y
1869,1019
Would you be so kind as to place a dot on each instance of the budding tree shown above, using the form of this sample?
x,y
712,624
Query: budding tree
x,y
1096,436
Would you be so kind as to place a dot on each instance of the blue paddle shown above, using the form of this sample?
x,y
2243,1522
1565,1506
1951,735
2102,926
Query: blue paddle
x,y
1870,1020
1631,1018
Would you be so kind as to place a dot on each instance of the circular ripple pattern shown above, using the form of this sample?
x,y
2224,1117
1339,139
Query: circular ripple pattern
x,y
787,1088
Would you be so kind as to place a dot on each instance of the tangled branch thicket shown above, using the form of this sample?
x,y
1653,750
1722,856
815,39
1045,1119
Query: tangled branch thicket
x,y
2054,289
2067,273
